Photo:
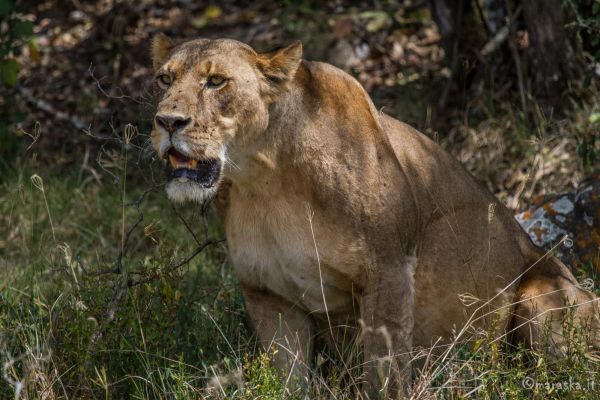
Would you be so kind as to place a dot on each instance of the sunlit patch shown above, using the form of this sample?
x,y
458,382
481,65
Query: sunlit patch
x,y
572,215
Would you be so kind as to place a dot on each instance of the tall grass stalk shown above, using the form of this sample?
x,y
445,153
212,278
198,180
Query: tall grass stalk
x,y
38,182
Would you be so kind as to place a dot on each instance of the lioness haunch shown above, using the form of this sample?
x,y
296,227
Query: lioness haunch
x,y
337,215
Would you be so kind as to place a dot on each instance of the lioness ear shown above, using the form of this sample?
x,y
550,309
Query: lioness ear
x,y
161,46
279,67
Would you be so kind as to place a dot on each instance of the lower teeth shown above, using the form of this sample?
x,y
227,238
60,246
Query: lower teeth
x,y
182,179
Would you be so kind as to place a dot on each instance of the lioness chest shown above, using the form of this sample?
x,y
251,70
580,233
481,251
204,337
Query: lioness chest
x,y
282,244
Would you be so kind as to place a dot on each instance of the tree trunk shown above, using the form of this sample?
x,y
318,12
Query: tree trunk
x,y
553,59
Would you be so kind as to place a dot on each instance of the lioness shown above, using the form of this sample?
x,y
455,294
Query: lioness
x,y
337,213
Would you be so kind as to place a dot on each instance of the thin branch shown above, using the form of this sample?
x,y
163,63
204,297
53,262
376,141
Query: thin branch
x,y
494,43
109,316
185,224
517,59
483,19
171,268
122,96
118,266
125,282
48,108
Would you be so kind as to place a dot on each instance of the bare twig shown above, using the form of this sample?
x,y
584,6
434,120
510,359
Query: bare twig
x,y
118,265
500,37
125,282
109,316
494,43
517,58
186,225
37,130
483,19
175,266
48,108
121,96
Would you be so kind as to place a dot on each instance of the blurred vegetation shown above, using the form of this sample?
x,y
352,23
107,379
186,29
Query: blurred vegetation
x,y
15,33
77,173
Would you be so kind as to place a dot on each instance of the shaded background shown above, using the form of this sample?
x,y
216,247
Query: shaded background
x,y
446,67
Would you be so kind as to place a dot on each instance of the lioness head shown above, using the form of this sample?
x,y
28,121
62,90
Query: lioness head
x,y
213,98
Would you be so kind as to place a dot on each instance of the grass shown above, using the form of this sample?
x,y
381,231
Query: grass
x,y
168,334
181,335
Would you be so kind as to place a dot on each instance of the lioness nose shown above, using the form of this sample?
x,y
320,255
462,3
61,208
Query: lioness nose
x,y
172,123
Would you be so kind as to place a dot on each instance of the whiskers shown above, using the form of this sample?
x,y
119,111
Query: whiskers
x,y
228,161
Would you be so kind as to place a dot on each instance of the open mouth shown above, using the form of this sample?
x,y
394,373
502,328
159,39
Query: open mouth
x,y
182,168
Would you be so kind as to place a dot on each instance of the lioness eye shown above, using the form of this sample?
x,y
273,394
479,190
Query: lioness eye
x,y
164,80
215,81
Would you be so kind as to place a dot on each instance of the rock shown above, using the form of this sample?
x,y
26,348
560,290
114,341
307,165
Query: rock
x,y
575,215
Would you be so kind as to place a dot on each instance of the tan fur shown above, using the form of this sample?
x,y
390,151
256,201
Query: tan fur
x,y
161,46
332,209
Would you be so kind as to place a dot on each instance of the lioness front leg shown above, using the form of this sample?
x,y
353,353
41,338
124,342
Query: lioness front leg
x,y
388,321
283,327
